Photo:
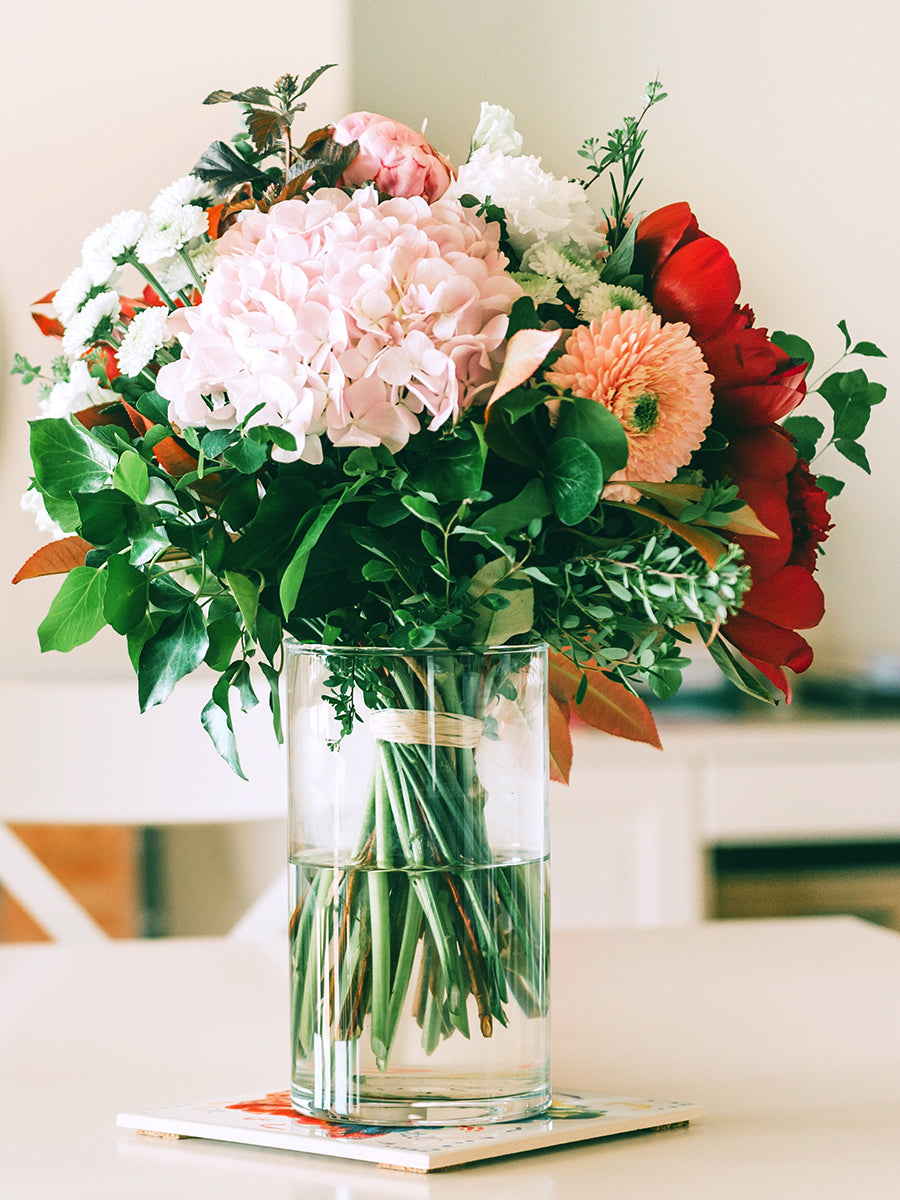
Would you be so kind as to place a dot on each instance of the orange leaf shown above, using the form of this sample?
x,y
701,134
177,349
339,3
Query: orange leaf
x,y
48,299
213,217
138,420
56,558
560,740
707,545
49,326
607,705
675,496
170,456
526,351
100,414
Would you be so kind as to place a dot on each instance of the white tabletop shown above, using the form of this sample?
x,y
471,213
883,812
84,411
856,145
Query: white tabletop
x,y
787,1032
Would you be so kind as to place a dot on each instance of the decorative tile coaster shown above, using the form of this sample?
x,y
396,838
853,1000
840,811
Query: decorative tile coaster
x,y
270,1121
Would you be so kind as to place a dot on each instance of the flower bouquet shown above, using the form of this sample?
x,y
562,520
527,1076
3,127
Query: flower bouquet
x,y
354,396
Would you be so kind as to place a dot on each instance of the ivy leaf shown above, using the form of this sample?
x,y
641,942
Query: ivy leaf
x,y
216,720
455,466
175,650
795,347
125,601
273,679
806,432
67,459
131,476
530,504
573,477
829,485
868,350
246,456
76,613
223,634
246,593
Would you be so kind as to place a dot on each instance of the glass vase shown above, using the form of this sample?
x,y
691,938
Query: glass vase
x,y
419,884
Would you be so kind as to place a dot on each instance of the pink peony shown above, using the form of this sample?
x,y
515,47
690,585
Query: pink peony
x,y
343,316
653,378
392,156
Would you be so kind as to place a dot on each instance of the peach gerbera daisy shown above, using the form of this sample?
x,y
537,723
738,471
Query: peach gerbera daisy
x,y
653,378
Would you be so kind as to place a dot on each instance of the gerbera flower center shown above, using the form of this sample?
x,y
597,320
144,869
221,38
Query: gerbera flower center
x,y
644,416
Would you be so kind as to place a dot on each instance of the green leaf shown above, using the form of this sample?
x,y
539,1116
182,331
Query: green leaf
x,y
597,427
519,439
292,579
246,593
455,466
102,517
795,347
312,77
246,456
175,650
268,632
131,476
152,406
423,509
830,485
530,504
125,601
221,166
67,459
76,613
806,432
573,477
494,623
868,349
842,326
224,634
735,671
378,571
272,678
218,440
618,266
522,315
854,452
216,720
851,420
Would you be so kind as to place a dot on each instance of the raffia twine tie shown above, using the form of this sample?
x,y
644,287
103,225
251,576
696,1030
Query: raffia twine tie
x,y
414,727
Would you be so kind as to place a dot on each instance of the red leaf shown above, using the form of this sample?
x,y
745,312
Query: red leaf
x,y
213,217
99,414
48,299
56,558
49,326
138,420
170,456
608,705
560,740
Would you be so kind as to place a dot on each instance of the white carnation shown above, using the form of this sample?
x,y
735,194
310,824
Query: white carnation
x,y
496,131
538,206
187,190
168,231
80,390
90,323
108,247
144,336
33,502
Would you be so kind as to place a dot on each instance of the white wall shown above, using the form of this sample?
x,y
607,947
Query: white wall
x,y
781,131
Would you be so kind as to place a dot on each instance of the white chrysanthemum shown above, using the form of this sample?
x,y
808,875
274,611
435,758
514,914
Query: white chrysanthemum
x,y
187,190
565,264
541,289
605,296
144,336
93,321
108,247
496,131
173,273
80,390
538,206
73,292
33,502
167,231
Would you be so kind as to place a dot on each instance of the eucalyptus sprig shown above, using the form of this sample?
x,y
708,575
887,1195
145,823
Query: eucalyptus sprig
x,y
624,147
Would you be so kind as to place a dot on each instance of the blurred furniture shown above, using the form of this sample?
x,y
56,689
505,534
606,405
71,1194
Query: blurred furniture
x,y
785,1031
81,755
635,833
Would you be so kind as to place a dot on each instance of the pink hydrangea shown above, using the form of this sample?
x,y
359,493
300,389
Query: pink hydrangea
x,y
343,316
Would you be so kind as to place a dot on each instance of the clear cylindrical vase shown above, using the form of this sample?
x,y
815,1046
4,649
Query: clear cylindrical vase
x,y
419,868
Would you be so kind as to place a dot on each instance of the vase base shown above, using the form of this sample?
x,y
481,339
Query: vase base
x,y
423,1110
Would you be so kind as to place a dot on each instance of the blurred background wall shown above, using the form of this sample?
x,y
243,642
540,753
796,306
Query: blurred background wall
x,y
780,129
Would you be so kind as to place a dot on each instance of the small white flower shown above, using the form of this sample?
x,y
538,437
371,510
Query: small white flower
x,y
496,131
567,264
73,292
173,272
108,247
79,391
144,336
33,502
541,289
168,231
91,322
187,190
605,296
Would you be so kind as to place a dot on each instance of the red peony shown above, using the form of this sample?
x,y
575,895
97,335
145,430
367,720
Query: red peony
x,y
784,597
691,277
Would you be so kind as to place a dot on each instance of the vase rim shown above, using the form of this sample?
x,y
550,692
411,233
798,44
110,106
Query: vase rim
x,y
293,646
